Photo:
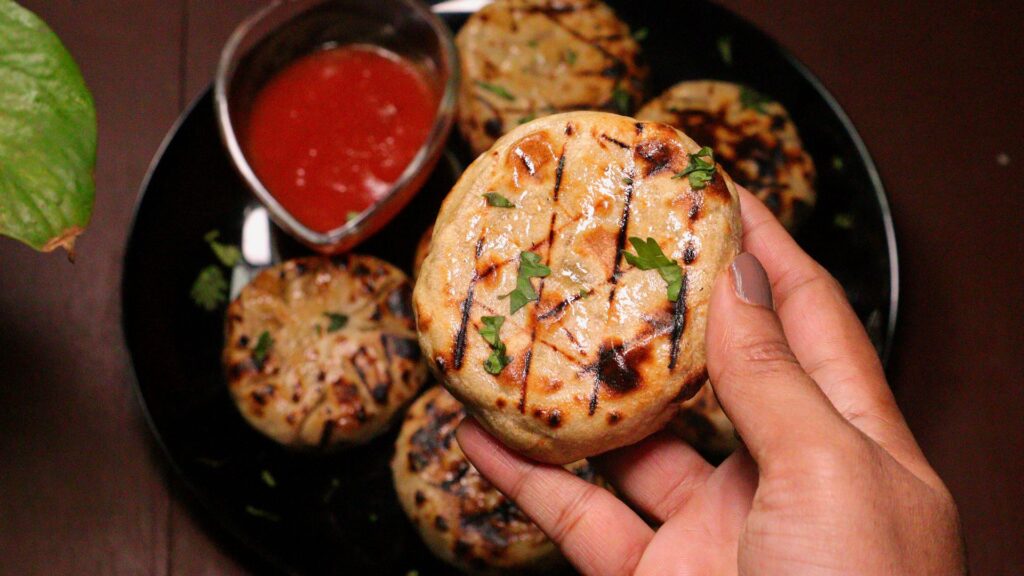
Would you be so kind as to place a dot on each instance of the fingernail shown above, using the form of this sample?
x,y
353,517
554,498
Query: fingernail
x,y
750,281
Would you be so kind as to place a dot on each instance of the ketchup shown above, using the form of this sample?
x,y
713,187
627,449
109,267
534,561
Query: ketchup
x,y
330,133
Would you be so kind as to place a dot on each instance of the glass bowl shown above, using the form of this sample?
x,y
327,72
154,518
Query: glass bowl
x,y
285,30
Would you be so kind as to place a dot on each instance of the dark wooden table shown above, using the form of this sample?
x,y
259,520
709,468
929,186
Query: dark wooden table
x,y
935,88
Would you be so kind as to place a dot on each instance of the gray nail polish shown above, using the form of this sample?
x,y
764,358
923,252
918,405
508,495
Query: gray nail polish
x,y
750,281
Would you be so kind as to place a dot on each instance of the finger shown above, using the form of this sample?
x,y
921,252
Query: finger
x,y
823,331
776,407
574,513
658,475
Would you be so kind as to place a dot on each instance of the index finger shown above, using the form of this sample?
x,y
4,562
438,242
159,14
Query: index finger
x,y
823,331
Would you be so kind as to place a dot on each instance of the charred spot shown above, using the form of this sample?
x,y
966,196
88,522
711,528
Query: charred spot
x,y
234,318
656,155
360,414
555,418
619,369
236,371
569,129
440,523
692,385
380,393
262,394
461,548
493,127
617,69
639,128
420,498
401,346
679,310
717,187
300,268
778,122
243,341
321,376
613,418
500,403
436,435
440,364
455,476
399,301
689,253
378,312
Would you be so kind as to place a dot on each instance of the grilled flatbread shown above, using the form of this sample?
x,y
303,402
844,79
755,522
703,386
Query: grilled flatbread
x,y
604,356
462,518
523,59
322,353
753,137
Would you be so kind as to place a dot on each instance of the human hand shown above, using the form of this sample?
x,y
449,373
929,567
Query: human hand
x,y
830,479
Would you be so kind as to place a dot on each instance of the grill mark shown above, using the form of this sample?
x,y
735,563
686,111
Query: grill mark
x,y
561,9
620,240
638,342
594,43
615,141
467,304
558,308
678,323
532,319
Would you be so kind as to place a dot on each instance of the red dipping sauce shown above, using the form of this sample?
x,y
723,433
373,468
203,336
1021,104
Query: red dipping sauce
x,y
330,133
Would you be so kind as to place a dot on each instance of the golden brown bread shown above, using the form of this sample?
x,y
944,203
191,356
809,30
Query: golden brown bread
x,y
322,353
523,59
604,357
753,137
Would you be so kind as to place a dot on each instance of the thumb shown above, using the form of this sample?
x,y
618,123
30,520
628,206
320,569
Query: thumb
x,y
778,410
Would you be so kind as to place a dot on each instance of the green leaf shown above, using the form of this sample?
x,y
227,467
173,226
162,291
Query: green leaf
x,y
570,57
47,135
529,267
268,478
210,288
725,49
337,321
498,91
491,333
261,513
754,100
650,257
699,171
622,100
228,254
528,118
641,34
262,349
498,201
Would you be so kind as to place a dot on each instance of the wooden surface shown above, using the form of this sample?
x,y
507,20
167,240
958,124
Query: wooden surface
x,y
934,87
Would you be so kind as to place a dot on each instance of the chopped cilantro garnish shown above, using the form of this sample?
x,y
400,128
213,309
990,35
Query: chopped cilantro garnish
x,y
725,49
627,180
498,201
268,478
754,100
261,513
837,163
337,321
641,34
843,221
650,257
210,289
570,57
227,254
262,349
491,333
528,118
498,91
699,171
621,99
351,215
529,267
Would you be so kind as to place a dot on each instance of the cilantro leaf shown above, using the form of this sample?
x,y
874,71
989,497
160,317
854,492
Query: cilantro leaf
x,y
498,201
725,49
262,349
754,100
210,289
699,171
570,57
641,34
491,329
498,91
491,333
529,267
261,513
621,99
528,118
228,254
268,478
337,321
650,257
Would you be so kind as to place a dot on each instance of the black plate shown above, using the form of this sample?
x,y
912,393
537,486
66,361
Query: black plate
x,y
338,513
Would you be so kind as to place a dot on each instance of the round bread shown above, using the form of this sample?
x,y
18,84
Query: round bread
x,y
522,59
422,247
462,518
321,352
703,424
754,139
604,357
